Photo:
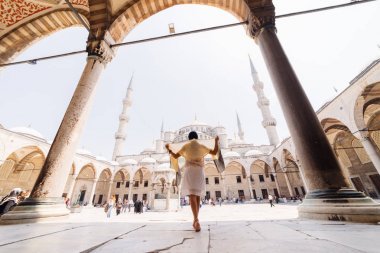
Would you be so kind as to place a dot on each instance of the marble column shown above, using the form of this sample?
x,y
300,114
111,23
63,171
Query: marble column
x,y
277,185
109,191
71,188
327,184
168,197
222,178
288,184
371,151
130,190
46,199
92,192
250,186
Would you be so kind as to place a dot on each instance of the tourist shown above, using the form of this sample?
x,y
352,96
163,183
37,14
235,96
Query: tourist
x,y
270,197
10,201
125,206
220,201
131,204
119,205
194,183
110,206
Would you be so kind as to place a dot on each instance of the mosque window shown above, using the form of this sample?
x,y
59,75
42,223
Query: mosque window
x,y
241,193
218,194
272,177
118,185
261,178
238,179
127,184
303,190
206,180
296,191
136,184
146,183
216,180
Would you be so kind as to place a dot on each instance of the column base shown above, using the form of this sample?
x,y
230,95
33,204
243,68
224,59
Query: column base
x,y
340,205
34,210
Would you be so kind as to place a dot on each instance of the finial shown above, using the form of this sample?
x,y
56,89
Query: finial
x,y
253,69
130,82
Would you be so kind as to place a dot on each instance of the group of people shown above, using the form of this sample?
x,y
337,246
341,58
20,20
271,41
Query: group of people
x,y
122,206
15,197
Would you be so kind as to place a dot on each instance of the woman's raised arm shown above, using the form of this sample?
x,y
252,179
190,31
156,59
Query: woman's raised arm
x,y
216,147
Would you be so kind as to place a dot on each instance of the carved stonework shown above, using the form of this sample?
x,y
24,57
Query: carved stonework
x,y
80,2
261,15
101,50
12,11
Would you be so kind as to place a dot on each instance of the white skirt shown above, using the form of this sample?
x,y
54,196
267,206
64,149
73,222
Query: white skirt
x,y
193,180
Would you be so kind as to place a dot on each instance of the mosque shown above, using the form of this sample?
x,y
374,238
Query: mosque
x,y
351,122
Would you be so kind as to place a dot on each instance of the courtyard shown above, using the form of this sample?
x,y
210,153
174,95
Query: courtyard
x,y
226,228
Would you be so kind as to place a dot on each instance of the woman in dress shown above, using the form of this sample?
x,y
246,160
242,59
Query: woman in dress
x,y
193,182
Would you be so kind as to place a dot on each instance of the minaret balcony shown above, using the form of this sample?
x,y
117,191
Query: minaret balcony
x,y
120,136
269,122
123,117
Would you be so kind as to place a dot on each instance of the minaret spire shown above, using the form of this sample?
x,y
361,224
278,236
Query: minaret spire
x,y
123,120
269,122
162,130
240,129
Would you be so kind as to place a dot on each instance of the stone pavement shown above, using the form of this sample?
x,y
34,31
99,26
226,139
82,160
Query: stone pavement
x,y
230,228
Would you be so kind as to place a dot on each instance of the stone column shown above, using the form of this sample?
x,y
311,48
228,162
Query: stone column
x,y
168,197
109,191
71,188
92,191
223,186
371,151
130,190
277,185
288,184
250,186
328,187
46,197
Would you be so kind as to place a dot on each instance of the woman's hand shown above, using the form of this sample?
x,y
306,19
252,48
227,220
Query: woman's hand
x,y
217,138
167,146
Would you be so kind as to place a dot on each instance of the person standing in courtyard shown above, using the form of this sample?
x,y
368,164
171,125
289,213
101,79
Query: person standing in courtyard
x,y
110,204
193,183
270,197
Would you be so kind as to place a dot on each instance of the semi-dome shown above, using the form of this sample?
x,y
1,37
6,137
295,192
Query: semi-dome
x,y
101,158
148,160
129,161
27,131
231,154
253,152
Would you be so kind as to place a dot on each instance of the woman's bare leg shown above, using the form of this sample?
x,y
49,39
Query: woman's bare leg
x,y
194,203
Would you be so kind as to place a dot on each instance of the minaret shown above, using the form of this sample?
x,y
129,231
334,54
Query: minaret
x,y
269,122
123,120
240,129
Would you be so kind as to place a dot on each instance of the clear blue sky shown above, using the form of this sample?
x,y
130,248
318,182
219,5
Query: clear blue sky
x,y
205,74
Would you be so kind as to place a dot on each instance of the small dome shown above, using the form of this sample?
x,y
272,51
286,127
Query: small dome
x,y
101,158
115,163
129,161
253,152
163,166
83,151
148,160
231,154
164,159
27,131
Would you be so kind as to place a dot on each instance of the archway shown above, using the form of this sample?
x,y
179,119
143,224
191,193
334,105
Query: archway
x,y
352,156
293,173
121,185
214,184
67,192
103,186
21,169
84,184
141,182
262,180
235,182
280,177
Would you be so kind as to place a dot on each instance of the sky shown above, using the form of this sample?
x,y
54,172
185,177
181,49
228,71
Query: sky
x,y
205,74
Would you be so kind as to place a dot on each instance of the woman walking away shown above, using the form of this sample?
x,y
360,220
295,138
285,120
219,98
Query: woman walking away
x,y
111,204
193,183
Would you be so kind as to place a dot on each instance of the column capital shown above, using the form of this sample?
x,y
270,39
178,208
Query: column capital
x,y
261,15
101,49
